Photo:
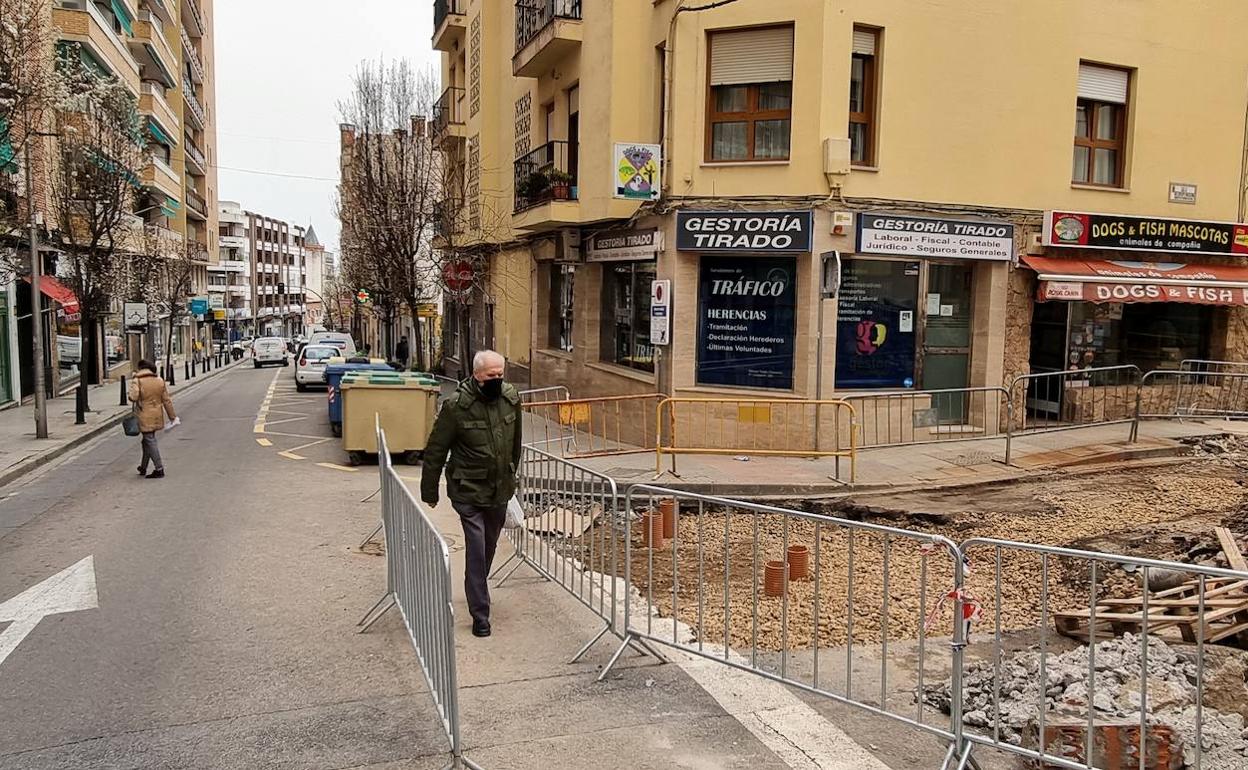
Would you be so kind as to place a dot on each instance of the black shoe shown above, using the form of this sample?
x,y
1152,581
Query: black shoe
x,y
480,629
142,471
160,474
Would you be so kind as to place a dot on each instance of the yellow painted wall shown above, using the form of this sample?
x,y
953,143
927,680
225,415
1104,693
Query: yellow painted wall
x,y
976,100
511,288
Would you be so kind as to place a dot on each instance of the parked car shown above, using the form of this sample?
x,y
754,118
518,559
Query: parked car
x,y
340,340
269,350
310,366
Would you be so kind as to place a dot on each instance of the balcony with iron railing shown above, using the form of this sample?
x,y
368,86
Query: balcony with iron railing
x,y
544,176
192,56
196,109
195,204
193,18
448,116
546,31
449,23
197,164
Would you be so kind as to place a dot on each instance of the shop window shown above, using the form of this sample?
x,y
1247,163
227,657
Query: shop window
x,y
1100,126
875,322
625,333
562,280
863,75
1147,335
750,103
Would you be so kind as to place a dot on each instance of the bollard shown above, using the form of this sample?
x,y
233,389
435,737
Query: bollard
x,y
80,403
169,375
186,370
121,399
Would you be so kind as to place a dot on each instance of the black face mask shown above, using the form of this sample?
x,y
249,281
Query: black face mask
x,y
492,389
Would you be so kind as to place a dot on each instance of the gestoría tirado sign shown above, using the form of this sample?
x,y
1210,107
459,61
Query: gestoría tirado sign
x,y
738,232
1116,231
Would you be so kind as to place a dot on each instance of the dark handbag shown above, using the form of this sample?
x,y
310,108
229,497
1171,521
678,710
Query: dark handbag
x,y
130,423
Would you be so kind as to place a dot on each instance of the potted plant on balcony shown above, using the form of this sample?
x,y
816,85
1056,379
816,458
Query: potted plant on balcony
x,y
533,187
560,184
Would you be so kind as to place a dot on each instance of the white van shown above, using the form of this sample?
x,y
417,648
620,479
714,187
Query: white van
x,y
340,340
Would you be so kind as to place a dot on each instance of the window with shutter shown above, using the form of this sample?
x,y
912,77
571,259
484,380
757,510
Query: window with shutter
x,y
863,74
750,100
1100,126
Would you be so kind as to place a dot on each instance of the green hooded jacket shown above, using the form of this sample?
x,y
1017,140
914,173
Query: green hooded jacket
x,y
482,439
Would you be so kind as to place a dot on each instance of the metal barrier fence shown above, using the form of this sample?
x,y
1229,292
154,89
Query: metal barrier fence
x,y
571,534
593,427
722,581
929,416
745,426
418,582
1076,398
1212,367
544,395
1193,393
1089,597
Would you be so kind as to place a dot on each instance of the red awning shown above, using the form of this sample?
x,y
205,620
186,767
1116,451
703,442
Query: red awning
x,y
58,293
1094,280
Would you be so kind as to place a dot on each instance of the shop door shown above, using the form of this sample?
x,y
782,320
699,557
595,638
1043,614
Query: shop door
x,y
947,337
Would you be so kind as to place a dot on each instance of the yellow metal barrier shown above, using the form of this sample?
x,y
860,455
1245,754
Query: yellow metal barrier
x,y
752,426
593,427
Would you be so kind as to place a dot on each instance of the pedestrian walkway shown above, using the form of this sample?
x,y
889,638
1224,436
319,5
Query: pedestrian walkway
x,y
927,465
524,707
21,452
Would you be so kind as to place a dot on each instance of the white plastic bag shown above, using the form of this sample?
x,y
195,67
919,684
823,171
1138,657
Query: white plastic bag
x,y
515,513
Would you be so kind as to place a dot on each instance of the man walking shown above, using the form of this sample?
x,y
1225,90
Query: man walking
x,y
401,352
479,427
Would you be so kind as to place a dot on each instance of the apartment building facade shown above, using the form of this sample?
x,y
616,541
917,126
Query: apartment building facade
x,y
823,197
278,274
161,51
230,279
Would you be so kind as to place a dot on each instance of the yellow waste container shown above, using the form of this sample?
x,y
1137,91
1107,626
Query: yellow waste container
x,y
405,402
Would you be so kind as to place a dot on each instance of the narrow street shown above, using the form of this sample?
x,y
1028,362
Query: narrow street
x,y
228,595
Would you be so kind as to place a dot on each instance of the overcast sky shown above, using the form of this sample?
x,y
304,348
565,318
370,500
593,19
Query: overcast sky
x,y
282,67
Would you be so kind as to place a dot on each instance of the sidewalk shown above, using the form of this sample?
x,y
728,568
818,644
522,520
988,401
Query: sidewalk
x,y
21,452
524,707
926,465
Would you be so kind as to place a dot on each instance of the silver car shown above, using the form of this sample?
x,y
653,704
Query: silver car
x,y
310,368
269,350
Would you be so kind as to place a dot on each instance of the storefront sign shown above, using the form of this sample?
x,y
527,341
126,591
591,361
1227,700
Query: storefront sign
x,y
734,232
1114,231
637,171
927,237
216,301
1143,292
875,339
747,322
637,245
199,305
660,312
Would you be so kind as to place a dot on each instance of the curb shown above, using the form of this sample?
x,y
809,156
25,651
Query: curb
x,y
1123,458
43,458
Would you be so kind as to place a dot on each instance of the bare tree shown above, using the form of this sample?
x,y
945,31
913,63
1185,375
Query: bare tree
x,y
392,192
102,149
28,90
172,286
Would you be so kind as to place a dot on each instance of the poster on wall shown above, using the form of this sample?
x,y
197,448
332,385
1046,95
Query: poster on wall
x,y
638,171
875,324
747,321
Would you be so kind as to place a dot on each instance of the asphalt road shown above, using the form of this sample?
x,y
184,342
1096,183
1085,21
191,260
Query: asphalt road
x,y
227,595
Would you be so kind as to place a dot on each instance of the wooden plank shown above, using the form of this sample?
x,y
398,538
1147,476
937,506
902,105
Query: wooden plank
x,y
1234,556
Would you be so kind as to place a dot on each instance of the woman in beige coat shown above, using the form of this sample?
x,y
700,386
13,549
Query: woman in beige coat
x,y
152,404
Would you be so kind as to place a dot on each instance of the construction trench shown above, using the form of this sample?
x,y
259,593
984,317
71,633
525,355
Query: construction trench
x,y
898,659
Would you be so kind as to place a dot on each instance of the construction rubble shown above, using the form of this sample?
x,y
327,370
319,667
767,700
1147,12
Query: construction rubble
x,y
1171,696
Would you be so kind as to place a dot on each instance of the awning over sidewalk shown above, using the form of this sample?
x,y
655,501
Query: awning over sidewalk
x,y
1094,280
58,293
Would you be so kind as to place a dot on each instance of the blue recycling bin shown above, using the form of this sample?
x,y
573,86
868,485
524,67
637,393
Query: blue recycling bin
x,y
333,378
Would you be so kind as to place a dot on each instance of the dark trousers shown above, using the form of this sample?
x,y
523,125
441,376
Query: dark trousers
x,y
482,526
151,451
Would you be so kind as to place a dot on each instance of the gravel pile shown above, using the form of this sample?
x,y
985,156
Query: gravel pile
x,y
1115,696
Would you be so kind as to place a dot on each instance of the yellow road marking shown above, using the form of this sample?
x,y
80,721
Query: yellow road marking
x,y
259,428
296,435
310,443
264,442
337,467
292,456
